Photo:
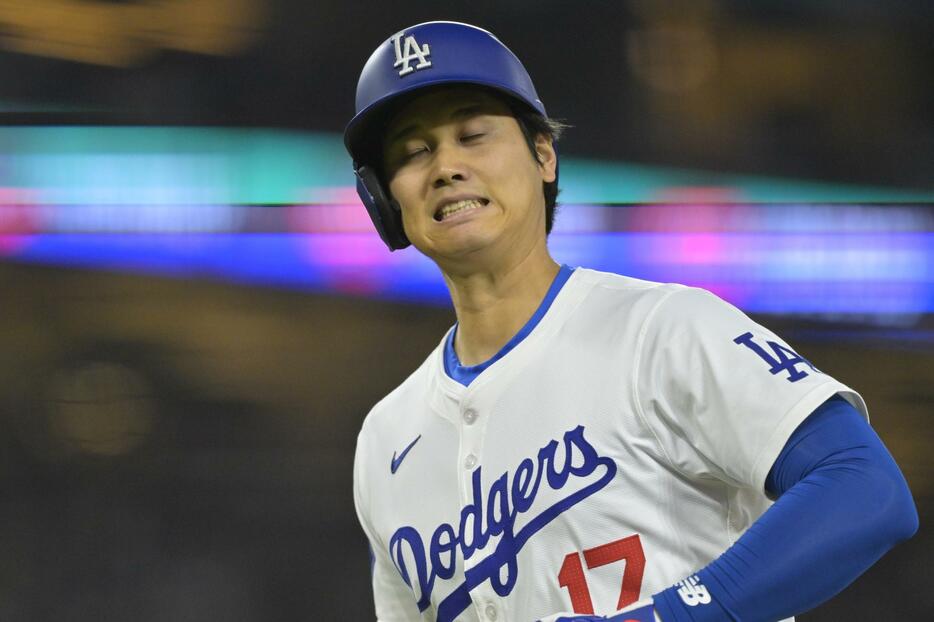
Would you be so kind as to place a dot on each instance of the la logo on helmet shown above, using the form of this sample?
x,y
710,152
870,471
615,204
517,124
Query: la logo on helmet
x,y
411,52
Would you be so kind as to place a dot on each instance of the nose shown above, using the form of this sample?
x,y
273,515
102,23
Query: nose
x,y
449,166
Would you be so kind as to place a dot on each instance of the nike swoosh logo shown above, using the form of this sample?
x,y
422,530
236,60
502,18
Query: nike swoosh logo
x,y
394,465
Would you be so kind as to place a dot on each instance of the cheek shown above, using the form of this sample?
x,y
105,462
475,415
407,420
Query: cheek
x,y
402,190
396,188
405,190
518,177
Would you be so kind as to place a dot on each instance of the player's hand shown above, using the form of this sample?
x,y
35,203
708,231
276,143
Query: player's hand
x,y
642,611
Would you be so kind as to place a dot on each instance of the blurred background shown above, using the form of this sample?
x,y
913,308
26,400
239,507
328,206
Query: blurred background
x,y
195,315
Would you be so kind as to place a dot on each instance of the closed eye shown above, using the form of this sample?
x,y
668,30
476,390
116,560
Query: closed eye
x,y
413,153
471,137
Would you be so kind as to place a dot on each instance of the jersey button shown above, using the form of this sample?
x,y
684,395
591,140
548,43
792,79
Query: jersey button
x,y
470,415
490,612
470,461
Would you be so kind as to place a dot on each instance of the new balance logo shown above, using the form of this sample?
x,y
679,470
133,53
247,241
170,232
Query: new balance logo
x,y
693,592
409,53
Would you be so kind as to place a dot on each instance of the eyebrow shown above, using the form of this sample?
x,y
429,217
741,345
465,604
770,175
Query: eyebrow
x,y
460,113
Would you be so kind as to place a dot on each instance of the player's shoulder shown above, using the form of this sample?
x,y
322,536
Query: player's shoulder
x,y
608,289
622,285
386,415
651,301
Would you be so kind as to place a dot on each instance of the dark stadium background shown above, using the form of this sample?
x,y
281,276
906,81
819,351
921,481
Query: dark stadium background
x,y
177,449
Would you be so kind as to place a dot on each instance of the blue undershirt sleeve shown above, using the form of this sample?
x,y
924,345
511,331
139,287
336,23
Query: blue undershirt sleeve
x,y
842,502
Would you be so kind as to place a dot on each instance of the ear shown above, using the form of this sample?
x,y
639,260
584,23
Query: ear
x,y
547,157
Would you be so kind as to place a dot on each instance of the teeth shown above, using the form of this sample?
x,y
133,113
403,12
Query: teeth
x,y
453,208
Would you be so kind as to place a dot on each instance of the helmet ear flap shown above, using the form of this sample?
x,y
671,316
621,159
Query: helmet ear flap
x,y
385,212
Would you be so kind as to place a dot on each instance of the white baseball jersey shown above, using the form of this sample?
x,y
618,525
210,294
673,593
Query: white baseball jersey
x,y
621,446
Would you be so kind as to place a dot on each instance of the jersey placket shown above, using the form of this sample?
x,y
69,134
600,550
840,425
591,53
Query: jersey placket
x,y
473,417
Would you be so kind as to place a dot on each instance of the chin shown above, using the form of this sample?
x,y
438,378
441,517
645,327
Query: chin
x,y
466,245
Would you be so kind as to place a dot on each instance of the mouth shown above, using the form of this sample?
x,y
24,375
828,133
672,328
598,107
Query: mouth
x,y
450,209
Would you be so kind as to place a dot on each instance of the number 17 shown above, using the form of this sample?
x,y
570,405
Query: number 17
x,y
572,576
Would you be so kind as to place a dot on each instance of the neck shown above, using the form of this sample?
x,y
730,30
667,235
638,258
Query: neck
x,y
492,305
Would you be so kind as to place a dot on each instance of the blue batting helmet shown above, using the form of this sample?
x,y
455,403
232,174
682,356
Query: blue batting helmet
x,y
424,55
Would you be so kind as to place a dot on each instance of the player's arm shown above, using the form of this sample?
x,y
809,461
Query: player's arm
x,y
392,598
842,503
726,397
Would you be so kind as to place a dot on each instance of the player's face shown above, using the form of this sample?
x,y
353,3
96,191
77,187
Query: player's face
x,y
462,172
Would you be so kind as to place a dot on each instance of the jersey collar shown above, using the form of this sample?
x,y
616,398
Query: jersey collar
x,y
465,374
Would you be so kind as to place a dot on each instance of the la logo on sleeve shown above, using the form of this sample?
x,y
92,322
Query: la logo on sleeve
x,y
781,359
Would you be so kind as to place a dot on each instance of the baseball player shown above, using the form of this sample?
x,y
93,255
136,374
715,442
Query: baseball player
x,y
583,445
